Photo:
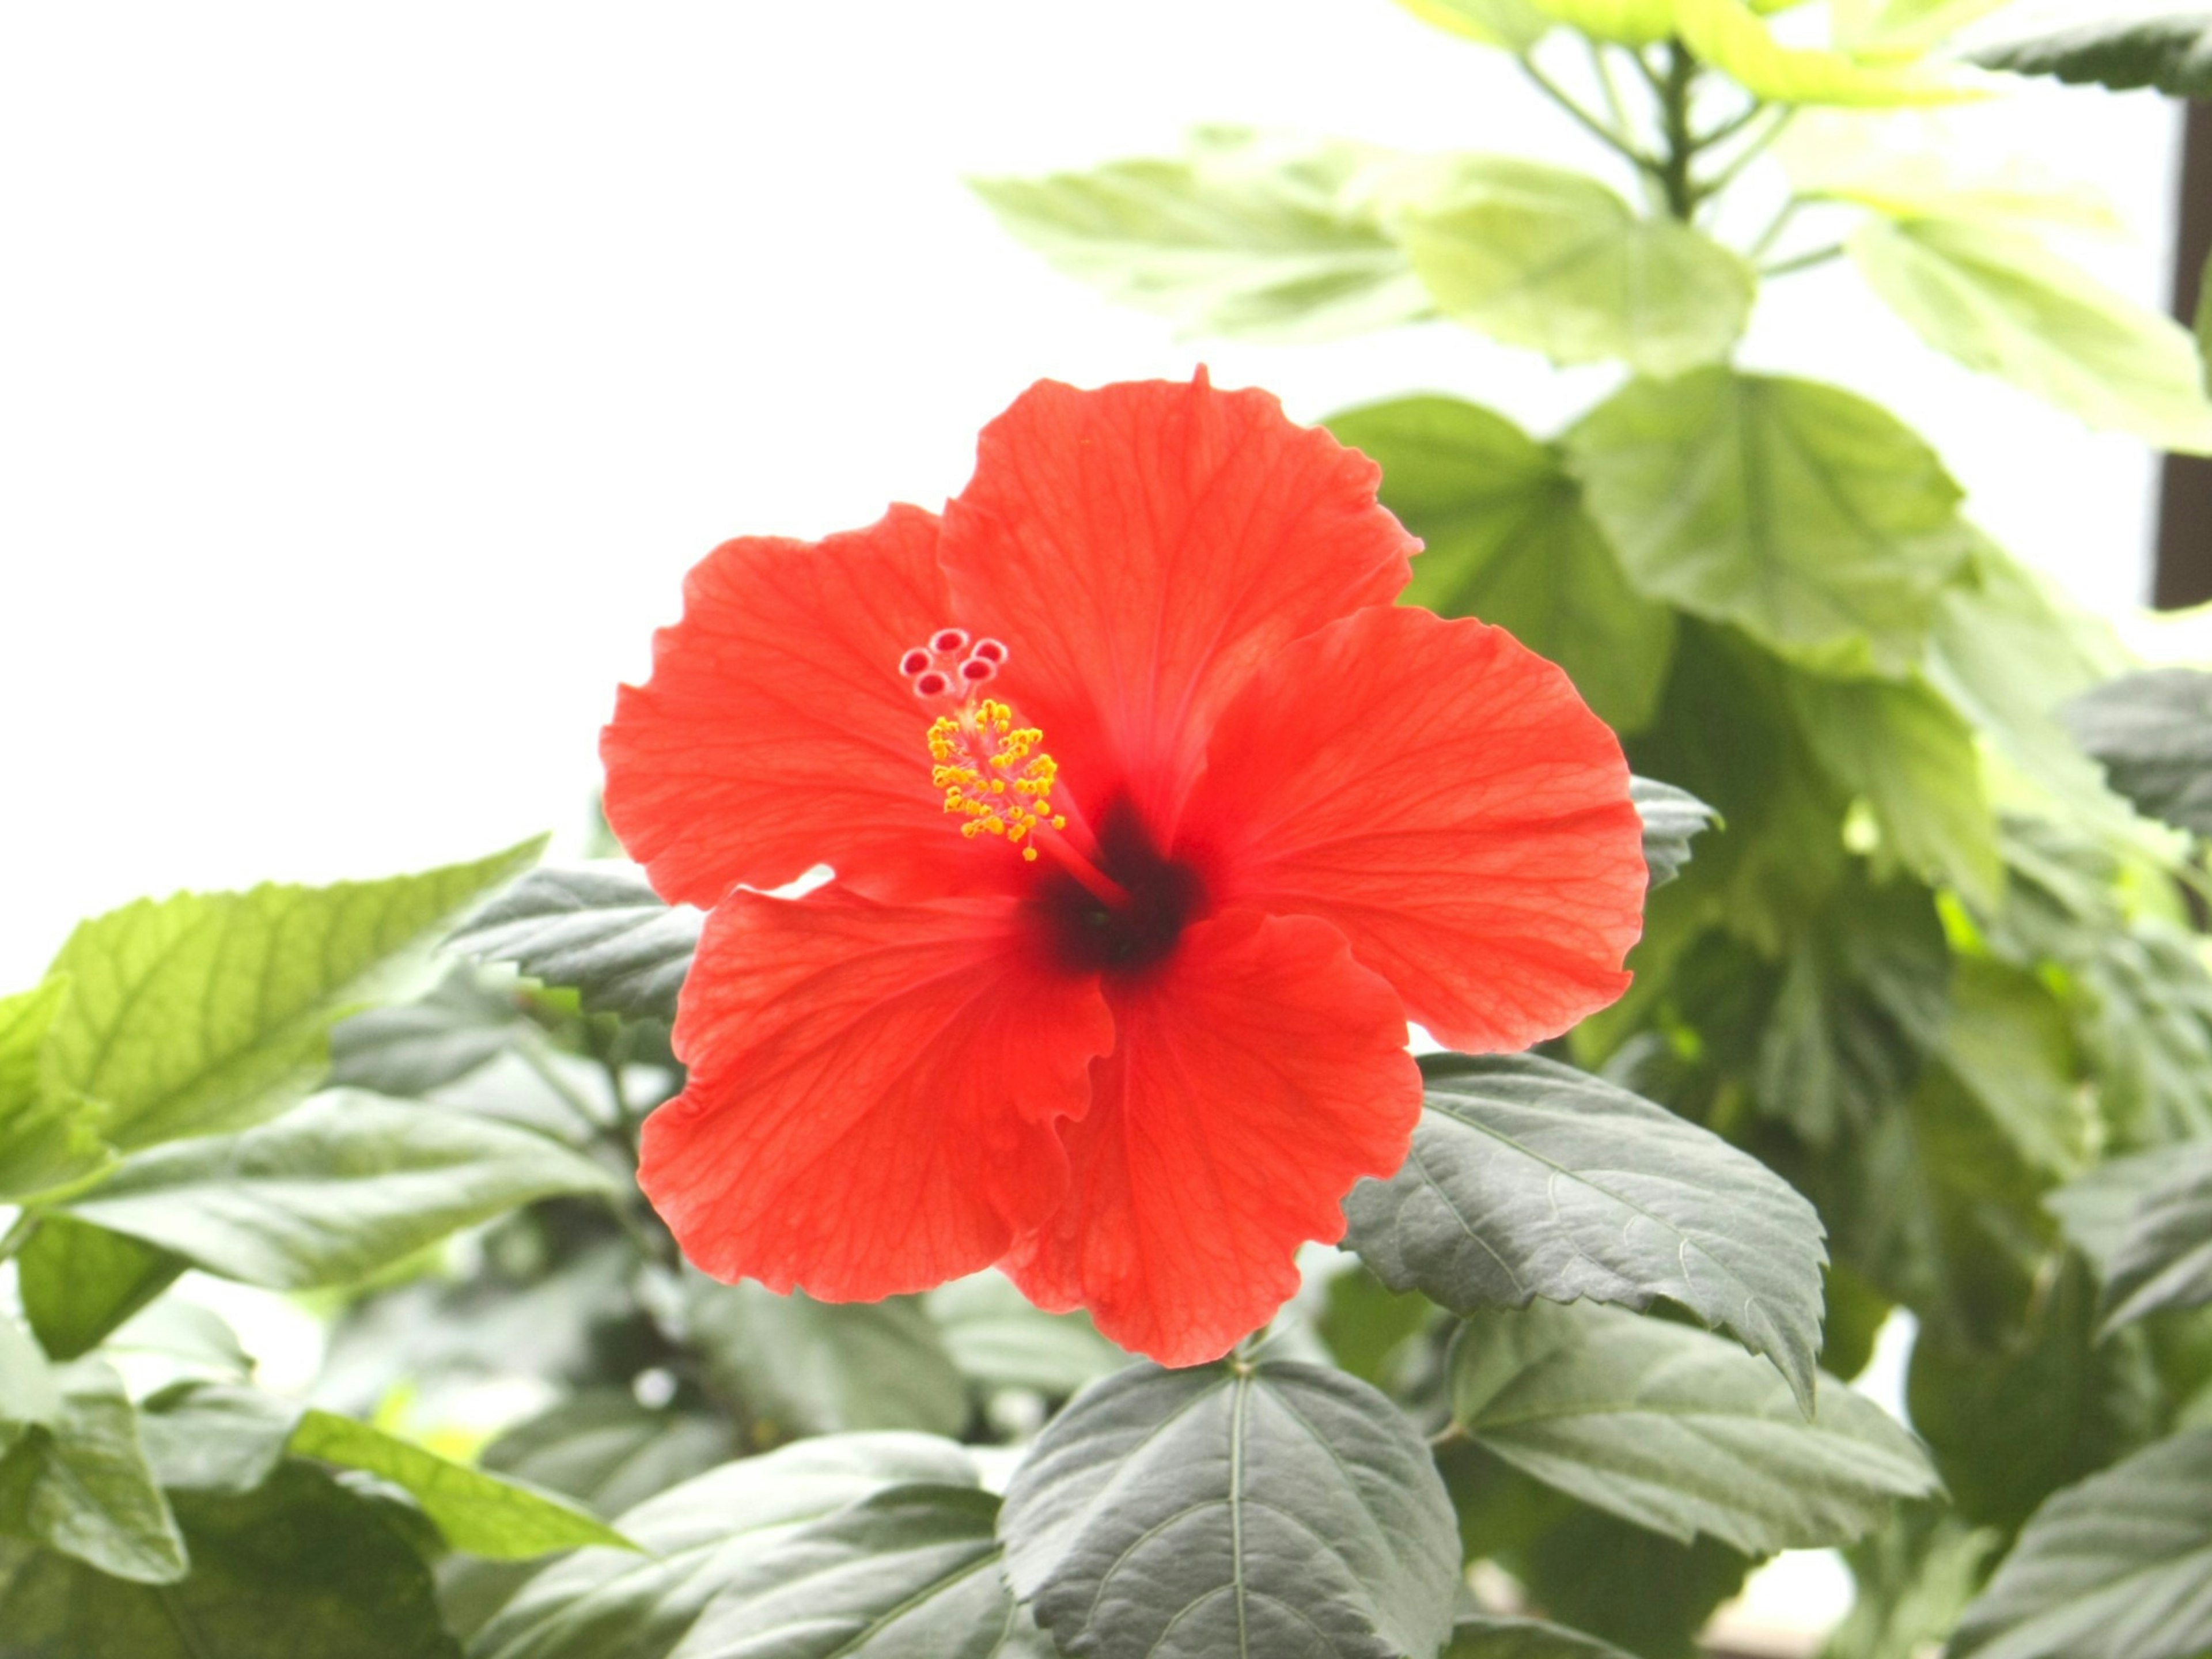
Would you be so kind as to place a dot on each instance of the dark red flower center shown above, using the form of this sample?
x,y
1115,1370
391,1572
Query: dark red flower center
x,y
1162,895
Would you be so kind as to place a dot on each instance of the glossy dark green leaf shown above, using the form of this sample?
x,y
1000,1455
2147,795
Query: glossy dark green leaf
x,y
997,1337
801,1366
47,1138
599,930
602,1447
1673,818
80,1282
208,1011
1507,541
1485,1636
699,1538
1245,236
2140,47
79,1483
299,1567
333,1190
1528,1179
1677,1431
1281,1509
2164,1258
2118,1566
2152,732
1804,515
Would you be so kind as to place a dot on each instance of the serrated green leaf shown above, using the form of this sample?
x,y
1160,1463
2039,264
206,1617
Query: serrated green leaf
x,y
601,932
1508,542
2173,52
807,1367
2001,302
1673,818
299,1567
2097,1209
1514,25
1807,517
1730,37
997,1337
2152,732
1486,1637
1913,758
2114,1568
46,1141
1247,235
1677,1431
700,1537
1549,258
1281,1508
79,1483
79,1282
209,1011
2164,1258
1530,1179
332,1191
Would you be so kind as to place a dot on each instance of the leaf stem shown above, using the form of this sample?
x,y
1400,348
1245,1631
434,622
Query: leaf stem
x,y
1673,89
1450,1434
1744,157
1767,238
1819,256
1617,142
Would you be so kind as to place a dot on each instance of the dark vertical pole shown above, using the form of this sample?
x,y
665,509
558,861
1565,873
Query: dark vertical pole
x,y
2185,530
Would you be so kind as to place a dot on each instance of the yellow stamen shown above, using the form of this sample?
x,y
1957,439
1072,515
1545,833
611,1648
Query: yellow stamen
x,y
982,739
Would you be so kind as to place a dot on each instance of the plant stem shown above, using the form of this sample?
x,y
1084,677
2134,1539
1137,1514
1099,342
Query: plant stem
x,y
1819,256
1768,237
1744,157
1673,89
1619,142
1733,125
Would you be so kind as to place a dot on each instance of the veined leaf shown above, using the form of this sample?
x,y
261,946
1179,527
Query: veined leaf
x,y
1549,258
1729,36
1281,1508
2001,302
1515,24
2173,52
997,1337
604,1448
300,1567
602,932
2164,1258
332,1191
2153,733
79,1484
1807,517
808,1367
79,1282
1246,235
46,1141
1508,541
209,1012
2116,1567
458,1028
1485,1636
1677,1431
1673,818
1530,1179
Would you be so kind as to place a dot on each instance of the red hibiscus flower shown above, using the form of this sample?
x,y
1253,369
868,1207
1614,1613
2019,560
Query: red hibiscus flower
x,y
1154,820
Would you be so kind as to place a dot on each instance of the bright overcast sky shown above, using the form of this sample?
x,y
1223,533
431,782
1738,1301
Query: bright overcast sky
x,y
370,374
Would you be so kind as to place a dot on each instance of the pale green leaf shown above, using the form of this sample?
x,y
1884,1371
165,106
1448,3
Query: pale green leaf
x,y
801,1366
189,1336
601,1446
332,1191
1913,758
1729,36
1247,235
1678,1430
207,1012
1919,166
47,1140
79,1282
80,1484
2001,303
1514,25
1508,542
1631,23
997,1337
1548,259
1809,518
2168,48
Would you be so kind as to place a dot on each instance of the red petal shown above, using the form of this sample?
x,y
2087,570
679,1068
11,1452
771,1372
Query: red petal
x,y
1441,795
1142,549
871,1091
1256,1076
776,733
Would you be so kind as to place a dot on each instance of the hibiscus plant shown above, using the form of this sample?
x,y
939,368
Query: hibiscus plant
x,y
966,1189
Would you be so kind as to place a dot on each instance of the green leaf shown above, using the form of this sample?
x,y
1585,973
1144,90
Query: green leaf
x,y
1727,34
79,1483
458,1028
46,1142
1913,758
801,1366
189,1336
601,932
2164,1259
29,1396
1677,1431
997,1337
1806,516
2153,733
299,1567
1631,23
604,1448
2113,1568
1549,258
1530,1179
2097,1208
701,1537
2000,302
208,1011
2173,53
1277,1509
1483,1636
216,1437
1673,818
1515,24
1247,235
1645,1592
79,1282
1914,1578
2007,1040
332,1191
1840,156
1508,541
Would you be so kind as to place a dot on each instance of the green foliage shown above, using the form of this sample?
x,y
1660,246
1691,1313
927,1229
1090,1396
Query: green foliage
x,y
79,1282
1728,34
1488,1637
2163,1256
1673,818
46,1141
2152,731
996,1337
602,932
801,1366
77,1481
2173,52
1914,1578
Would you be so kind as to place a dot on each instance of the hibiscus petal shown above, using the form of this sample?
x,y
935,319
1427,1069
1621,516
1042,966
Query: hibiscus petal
x,y
871,1093
1257,1074
1441,795
776,734
1144,548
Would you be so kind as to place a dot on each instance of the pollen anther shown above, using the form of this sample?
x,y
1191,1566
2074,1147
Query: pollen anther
x,y
993,776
